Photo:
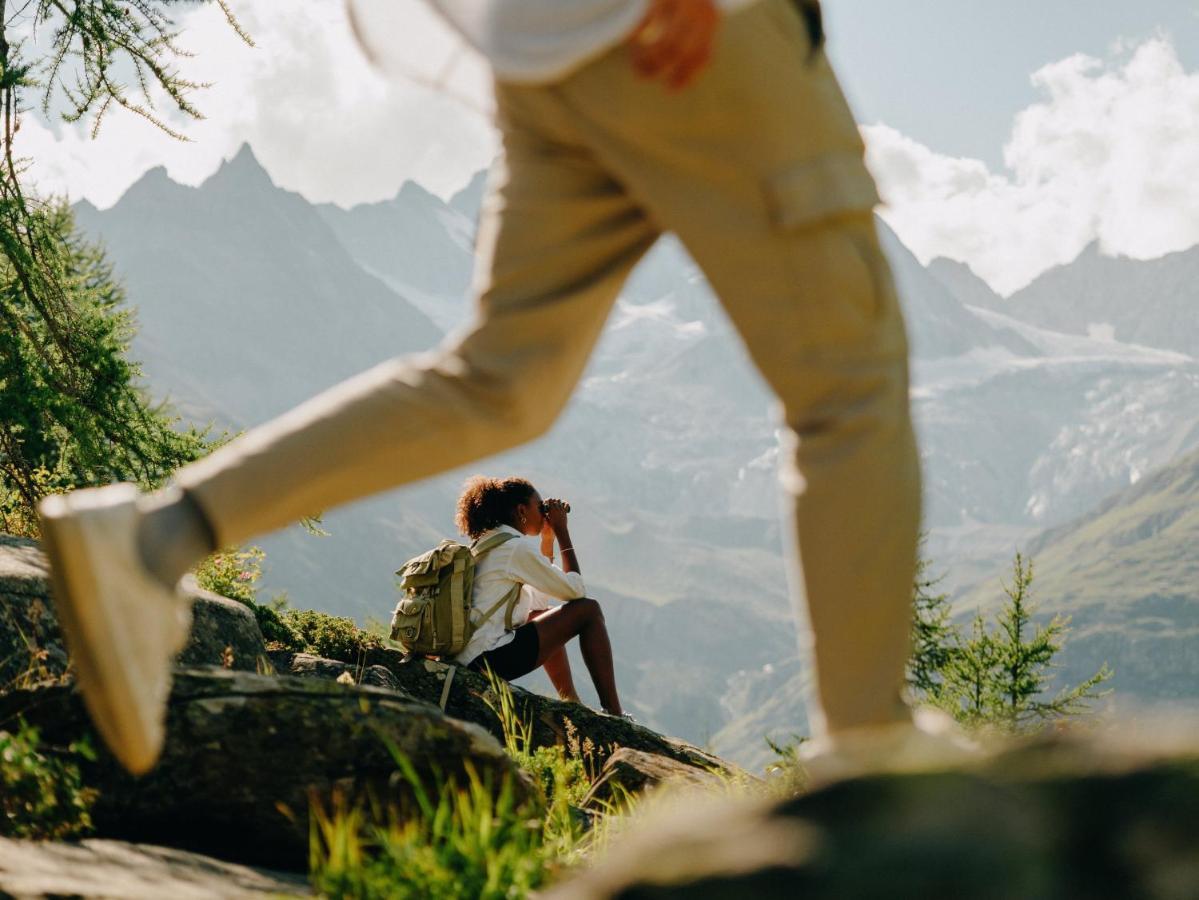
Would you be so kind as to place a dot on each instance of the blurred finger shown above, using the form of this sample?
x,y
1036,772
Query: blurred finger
x,y
687,68
674,40
689,55
652,39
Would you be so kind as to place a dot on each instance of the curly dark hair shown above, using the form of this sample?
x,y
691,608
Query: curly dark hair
x,y
488,503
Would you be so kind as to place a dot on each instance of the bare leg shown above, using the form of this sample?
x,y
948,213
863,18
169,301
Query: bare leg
x,y
582,618
557,667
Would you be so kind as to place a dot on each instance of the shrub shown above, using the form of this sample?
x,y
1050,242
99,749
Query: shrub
x,y
333,637
233,573
272,622
44,795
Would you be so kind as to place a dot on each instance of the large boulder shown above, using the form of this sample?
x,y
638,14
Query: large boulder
x,y
1055,820
224,632
629,772
553,721
245,753
116,870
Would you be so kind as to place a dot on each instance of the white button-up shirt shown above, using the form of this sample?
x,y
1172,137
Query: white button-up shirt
x,y
544,40
518,561
530,41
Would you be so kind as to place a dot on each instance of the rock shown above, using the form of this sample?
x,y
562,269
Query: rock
x,y
224,632
244,751
1051,821
305,665
31,646
628,772
381,677
114,870
552,720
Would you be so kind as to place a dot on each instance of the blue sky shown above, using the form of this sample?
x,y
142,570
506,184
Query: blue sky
x,y
953,73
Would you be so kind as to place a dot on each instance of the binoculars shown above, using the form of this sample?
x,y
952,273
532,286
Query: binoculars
x,y
545,505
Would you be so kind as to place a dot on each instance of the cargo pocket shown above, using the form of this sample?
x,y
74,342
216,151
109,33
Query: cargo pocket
x,y
822,213
407,621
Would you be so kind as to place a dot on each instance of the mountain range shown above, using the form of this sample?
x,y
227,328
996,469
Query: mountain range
x,y
250,299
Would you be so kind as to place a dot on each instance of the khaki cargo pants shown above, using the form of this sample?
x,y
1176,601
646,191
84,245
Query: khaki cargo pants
x,y
758,169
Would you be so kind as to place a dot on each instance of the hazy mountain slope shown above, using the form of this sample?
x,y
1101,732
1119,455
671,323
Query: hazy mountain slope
x,y
420,246
468,200
1153,302
765,702
1099,559
939,325
960,280
1128,575
244,295
1038,439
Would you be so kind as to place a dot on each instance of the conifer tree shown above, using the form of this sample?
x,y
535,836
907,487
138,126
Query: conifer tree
x,y
72,411
1000,675
1025,655
935,638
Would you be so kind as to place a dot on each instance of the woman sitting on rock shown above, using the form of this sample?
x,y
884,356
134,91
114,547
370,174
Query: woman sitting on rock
x,y
490,505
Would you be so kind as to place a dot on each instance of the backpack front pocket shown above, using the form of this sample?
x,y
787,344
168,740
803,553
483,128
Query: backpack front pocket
x,y
408,621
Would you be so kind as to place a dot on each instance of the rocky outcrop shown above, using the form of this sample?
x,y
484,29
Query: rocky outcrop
x,y
552,720
254,735
246,752
305,665
224,632
1055,820
629,772
115,870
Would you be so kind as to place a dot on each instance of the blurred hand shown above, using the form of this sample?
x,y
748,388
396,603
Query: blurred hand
x,y
674,41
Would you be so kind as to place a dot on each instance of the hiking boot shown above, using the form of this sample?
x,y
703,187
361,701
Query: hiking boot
x,y
123,627
932,740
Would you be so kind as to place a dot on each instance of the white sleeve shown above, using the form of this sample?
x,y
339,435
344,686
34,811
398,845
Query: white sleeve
x,y
528,566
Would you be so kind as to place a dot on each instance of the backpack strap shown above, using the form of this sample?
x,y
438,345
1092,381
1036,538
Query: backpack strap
x,y
481,549
445,690
509,598
458,603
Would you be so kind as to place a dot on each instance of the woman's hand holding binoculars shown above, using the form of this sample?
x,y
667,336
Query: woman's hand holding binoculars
x,y
555,512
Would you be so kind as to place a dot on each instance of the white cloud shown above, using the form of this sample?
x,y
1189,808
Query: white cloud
x,y
1109,155
320,118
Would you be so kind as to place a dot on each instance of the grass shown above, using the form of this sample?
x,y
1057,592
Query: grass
x,y
469,838
42,792
43,795
460,841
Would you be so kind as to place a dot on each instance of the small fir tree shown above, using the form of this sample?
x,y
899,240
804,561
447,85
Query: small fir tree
x,y
935,638
1025,660
999,676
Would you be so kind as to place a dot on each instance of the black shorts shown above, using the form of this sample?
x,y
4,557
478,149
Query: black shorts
x,y
516,658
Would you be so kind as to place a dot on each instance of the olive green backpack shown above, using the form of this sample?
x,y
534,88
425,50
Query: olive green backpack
x,y
433,616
